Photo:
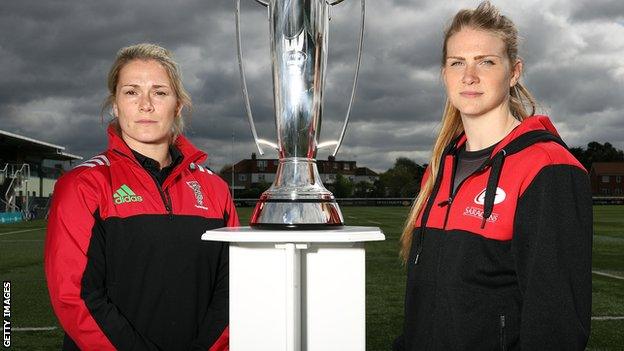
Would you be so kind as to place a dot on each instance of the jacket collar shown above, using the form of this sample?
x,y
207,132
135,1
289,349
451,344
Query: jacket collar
x,y
190,153
536,122
188,150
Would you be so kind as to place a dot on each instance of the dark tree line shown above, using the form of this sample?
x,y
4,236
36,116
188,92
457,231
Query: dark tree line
x,y
403,179
597,152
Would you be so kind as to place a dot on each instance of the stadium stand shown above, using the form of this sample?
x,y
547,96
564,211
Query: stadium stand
x,y
25,182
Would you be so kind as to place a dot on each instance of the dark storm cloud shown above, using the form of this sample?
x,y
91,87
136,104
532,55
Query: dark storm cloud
x,y
54,57
598,10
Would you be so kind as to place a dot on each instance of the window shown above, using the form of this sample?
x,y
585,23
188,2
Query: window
x,y
345,166
604,191
261,177
242,177
617,191
605,179
262,164
618,179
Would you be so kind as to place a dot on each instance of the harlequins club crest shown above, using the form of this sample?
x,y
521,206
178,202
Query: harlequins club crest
x,y
199,197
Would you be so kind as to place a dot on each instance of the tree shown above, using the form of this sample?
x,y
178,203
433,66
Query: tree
x,y
597,152
226,173
403,179
255,191
226,168
343,187
363,189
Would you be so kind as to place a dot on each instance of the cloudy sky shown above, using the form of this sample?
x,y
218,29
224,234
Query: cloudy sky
x,y
54,57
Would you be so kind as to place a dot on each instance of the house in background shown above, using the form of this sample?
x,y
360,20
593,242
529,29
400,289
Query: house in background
x,y
252,172
607,178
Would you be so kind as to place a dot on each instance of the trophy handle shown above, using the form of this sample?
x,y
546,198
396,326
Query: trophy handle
x,y
355,79
241,67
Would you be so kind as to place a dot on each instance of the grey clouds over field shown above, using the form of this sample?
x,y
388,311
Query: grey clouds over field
x,y
54,56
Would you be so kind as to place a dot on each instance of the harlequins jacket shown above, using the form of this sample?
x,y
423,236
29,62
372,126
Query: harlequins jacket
x,y
504,263
124,260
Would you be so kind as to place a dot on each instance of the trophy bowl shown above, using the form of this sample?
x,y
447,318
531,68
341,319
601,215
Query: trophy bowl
x,y
297,199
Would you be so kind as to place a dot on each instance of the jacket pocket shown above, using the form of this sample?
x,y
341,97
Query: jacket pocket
x,y
503,343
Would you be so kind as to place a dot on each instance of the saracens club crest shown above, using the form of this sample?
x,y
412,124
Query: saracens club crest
x,y
498,198
476,212
199,197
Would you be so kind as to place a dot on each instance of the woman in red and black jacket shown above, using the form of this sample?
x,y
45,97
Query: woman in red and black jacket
x,y
125,264
498,243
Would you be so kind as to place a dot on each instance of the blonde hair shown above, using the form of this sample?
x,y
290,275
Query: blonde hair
x,y
146,52
485,17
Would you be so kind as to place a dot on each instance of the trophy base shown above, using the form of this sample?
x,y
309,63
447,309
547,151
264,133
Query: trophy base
x,y
299,214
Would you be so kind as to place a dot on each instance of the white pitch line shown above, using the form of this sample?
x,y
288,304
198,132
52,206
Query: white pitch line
x,y
34,329
21,231
608,275
21,241
608,318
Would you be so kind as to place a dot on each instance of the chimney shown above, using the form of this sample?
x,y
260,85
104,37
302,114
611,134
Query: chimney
x,y
253,155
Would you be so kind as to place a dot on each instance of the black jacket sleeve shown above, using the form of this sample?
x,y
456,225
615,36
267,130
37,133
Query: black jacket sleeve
x,y
75,266
213,332
94,292
552,246
216,319
399,343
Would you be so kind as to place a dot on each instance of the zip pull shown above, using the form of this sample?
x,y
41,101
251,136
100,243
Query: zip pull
x,y
503,342
446,202
167,200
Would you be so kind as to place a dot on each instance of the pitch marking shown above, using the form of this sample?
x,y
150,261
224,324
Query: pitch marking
x,y
608,318
608,275
21,231
34,329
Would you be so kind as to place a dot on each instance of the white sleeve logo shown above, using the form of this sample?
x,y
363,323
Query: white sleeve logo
x,y
199,197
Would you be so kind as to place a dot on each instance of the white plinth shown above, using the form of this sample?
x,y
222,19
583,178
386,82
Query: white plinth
x,y
297,290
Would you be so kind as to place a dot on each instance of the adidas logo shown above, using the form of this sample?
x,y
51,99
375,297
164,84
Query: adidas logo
x,y
124,194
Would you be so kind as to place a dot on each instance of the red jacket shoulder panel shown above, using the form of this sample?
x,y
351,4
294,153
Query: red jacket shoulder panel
x,y
540,155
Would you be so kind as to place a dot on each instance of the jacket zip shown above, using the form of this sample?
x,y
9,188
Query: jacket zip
x,y
164,195
503,345
448,202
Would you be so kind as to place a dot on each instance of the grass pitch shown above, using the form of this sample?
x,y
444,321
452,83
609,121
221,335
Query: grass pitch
x,y
21,256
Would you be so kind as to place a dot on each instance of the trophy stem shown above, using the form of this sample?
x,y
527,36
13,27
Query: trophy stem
x,y
297,199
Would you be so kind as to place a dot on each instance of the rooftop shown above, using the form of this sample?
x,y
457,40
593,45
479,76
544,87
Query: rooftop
x,y
11,143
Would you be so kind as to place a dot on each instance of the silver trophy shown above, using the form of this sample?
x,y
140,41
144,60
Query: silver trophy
x,y
297,198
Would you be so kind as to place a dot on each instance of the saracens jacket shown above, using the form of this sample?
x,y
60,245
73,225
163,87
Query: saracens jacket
x,y
504,263
124,260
